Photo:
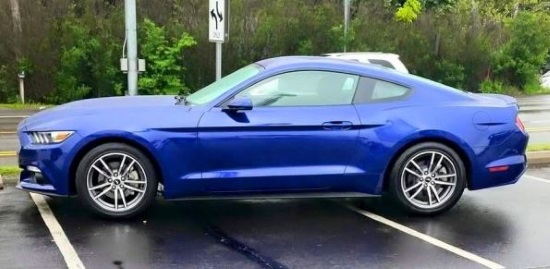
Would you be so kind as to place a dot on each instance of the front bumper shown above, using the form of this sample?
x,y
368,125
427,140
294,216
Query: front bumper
x,y
45,168
32,179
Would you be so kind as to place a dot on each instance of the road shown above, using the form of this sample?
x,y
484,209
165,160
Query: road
x,y
535,113
487,229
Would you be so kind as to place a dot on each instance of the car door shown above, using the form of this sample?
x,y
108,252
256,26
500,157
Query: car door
x,y
300,135
381,129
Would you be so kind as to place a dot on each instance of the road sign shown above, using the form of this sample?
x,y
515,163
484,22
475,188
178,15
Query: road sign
x,y
217,17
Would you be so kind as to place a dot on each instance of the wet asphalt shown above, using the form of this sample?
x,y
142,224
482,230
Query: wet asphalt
x,y
508,225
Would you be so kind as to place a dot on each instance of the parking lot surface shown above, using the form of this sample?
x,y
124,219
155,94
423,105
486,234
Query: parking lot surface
x,y
495,228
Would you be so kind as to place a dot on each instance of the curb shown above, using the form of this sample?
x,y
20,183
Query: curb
x,y
538,158
5,180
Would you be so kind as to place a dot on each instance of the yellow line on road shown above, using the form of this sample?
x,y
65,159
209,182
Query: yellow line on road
x,y
8,153
537,129
9,133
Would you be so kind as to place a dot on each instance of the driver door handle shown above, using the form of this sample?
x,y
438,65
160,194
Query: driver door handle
x,y
337,125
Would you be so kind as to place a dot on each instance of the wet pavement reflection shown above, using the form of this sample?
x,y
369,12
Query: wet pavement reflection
x,y
25,242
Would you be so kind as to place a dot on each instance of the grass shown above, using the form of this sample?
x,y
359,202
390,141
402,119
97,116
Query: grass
x,y
9,171
24,106
517,93
538,147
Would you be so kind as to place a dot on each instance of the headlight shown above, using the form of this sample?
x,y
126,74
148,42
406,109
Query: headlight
x,y
52,137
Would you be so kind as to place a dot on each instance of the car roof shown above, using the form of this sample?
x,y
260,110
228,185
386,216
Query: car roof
x,y
335,64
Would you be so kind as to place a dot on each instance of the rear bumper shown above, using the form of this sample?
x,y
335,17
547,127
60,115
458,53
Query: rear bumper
x,y
502,164
515,167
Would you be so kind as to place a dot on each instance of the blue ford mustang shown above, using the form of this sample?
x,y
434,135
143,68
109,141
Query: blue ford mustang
x,y
298,126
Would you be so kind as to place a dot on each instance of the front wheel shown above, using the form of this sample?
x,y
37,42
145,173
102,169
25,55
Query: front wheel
x,y
427,179
116,181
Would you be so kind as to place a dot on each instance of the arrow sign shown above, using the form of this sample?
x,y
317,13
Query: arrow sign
x,y
216,27
214,18
220,15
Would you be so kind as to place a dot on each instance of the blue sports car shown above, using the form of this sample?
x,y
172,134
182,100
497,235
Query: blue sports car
x,y
292,126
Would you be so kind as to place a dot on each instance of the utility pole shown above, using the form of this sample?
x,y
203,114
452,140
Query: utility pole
x,y
17,29
346,22
17,33
131,42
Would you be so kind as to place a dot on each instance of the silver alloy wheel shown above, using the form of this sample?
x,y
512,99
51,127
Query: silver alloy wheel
x,y
429,179
116,182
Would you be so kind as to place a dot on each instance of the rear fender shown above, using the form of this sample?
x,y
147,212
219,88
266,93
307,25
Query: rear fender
x,y
463,149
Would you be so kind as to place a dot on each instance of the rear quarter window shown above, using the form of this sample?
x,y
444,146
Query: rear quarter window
x,y
375,90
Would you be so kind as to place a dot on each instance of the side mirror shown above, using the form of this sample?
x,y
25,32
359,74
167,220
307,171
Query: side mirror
x,y
239,103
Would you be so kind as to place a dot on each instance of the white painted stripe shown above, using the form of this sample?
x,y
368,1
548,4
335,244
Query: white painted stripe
x,y
69,254
14,117
537,121
433,241
537,178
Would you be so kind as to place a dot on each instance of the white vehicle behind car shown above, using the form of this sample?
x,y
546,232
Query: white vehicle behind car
x,y
545,80
389,60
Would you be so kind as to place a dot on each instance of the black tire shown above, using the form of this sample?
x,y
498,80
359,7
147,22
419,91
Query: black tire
x,y
399,177
143,168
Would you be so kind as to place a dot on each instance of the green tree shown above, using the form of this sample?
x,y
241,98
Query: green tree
x,y
521,58
7,86
73,79
164,73
408,10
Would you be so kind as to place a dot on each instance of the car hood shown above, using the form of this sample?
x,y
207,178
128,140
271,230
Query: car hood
x,y
100,107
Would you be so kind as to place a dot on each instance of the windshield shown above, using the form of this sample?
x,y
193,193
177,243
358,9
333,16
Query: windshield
x,y
216,89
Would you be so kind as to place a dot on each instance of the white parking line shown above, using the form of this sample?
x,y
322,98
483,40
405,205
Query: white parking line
x,y
69,254
428,239
537,178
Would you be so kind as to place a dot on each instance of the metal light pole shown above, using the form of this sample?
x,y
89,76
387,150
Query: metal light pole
x,y
131,37
346,22
218,61
22,86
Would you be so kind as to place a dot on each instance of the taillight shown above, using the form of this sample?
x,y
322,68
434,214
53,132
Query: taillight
x,y
520,124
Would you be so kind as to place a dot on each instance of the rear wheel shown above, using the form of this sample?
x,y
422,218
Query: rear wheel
x,y
116,181
427,179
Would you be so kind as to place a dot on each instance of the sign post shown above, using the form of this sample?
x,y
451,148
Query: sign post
x,y
22,86
217,30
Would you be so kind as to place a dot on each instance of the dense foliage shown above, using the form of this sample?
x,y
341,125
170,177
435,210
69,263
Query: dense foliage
x,y
70,49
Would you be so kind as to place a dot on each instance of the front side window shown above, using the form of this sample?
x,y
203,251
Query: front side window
x,y
372,90
303,88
